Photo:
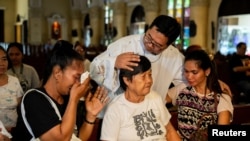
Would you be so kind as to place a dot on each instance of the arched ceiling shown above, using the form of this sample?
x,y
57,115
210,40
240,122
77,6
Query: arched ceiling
x,y
234,7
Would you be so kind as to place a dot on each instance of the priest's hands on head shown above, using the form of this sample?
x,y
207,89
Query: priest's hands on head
x,y
126,60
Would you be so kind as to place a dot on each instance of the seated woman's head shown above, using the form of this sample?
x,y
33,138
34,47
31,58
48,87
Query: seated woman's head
x,y
198,69
192,48
139,80
65,63
15,53
80,49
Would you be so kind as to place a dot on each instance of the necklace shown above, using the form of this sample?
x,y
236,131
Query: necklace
x,y
21,70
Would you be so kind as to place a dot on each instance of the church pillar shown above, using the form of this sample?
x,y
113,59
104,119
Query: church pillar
x,y
119,19
75,26
21,15
199,14
163,7
36,26
94,15
151,9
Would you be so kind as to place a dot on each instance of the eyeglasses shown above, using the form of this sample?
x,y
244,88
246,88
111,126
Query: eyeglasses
x,y
148,40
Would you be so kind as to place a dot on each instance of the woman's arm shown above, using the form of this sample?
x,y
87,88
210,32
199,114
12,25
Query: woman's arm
x,y
94,104
172,134
168,99
64,130
225,110
224,118
174,92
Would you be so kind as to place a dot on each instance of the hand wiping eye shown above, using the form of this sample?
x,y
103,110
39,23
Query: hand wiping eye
x,y
84,76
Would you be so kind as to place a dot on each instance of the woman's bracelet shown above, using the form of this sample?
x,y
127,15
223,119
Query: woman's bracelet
x,y
89,121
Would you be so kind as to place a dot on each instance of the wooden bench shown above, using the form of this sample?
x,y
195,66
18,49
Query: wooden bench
x,y
240,114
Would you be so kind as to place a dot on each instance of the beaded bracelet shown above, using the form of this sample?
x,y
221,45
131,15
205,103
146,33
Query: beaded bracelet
x,y
89,121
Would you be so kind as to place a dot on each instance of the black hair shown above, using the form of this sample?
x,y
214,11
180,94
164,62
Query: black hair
x,y
79,44
76,44
143,66
1,48
17,45
61,55
167,26
240,44
204,62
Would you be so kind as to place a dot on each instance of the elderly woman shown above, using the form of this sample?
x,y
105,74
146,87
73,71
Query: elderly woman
x,y
138,113
10,96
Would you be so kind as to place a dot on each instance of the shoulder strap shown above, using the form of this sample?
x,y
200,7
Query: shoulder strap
x,y
23,109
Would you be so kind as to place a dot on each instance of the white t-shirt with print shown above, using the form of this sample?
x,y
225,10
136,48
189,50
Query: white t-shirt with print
x,y
8,101
126,121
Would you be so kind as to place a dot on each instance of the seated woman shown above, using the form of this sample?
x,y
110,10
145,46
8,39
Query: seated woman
x,y
10,94
138,113
49,113
202,97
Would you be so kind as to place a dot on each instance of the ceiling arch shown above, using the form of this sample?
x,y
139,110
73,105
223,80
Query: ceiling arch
x,y
234,7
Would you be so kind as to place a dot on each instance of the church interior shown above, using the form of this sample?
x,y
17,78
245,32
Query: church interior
x,y
211,24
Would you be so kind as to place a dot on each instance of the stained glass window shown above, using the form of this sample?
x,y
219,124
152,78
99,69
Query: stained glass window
x,y
181,11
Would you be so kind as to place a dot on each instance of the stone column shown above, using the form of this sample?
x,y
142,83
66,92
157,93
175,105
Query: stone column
x,y
22,9
151,9
18,32
36,26
22,12
163,7
119,19
212,25
199,14
94,15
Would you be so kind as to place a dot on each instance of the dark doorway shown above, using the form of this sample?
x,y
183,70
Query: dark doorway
x,y
138,14
87,31
1,25
137,21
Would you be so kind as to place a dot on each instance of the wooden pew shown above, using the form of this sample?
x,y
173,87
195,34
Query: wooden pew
x,y
240,114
